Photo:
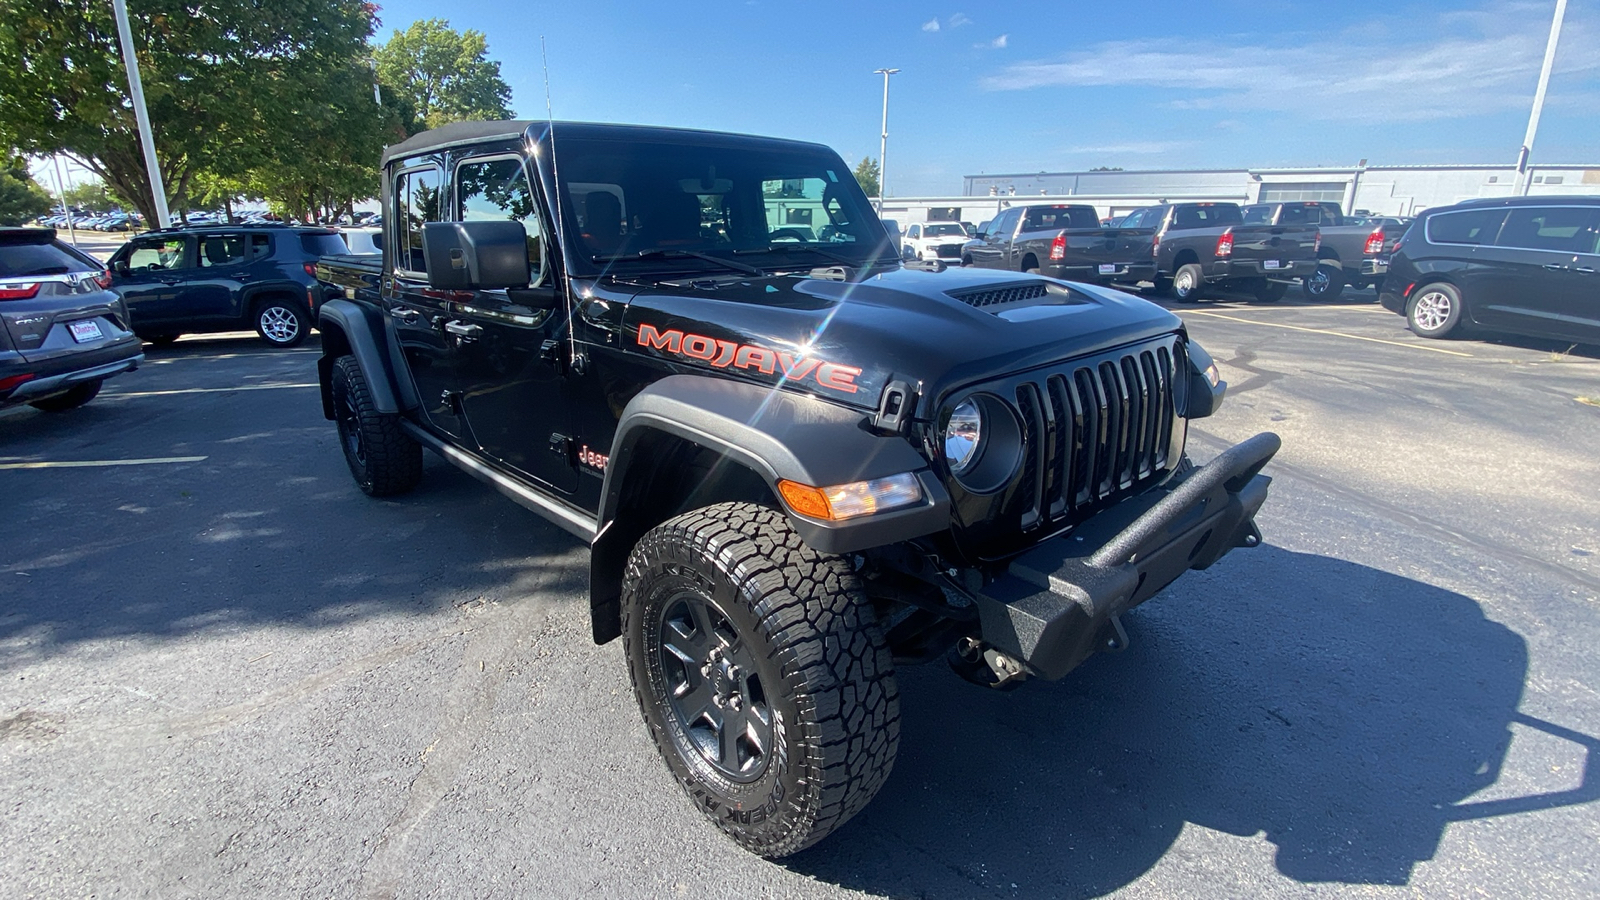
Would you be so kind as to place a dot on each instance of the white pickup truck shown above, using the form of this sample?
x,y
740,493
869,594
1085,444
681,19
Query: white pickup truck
x,y
934,240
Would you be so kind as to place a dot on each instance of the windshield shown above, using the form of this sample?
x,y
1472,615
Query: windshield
x,y
951,230
640,206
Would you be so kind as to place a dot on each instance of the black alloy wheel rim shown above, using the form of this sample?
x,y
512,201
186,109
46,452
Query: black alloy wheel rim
x,y
713,688
349,428
1318,283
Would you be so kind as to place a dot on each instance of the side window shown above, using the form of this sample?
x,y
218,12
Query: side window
x,y
494,189
1135,219
223,250
1258,215
1475,226
151,256
417,200
914,232
1565,229
260,246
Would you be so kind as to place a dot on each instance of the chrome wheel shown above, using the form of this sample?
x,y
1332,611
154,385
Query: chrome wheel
x,y
1433,310
279,324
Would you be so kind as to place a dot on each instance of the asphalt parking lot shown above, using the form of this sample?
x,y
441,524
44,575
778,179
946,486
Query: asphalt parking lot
x,y
225,672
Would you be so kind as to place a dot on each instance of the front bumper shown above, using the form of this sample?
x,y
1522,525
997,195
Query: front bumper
x,y
1056,604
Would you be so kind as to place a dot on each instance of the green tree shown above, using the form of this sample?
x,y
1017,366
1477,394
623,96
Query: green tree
x,y
867,176
216,75
442,75
21,198
92,196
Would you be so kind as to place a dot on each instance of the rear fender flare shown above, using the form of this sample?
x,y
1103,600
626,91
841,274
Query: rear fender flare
x,y
357,330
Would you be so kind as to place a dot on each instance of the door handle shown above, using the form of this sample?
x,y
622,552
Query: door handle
x,y
1555,268
408,316
1584,270
463,330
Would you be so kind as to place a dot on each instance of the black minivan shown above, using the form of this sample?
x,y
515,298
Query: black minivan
x,y
1517,265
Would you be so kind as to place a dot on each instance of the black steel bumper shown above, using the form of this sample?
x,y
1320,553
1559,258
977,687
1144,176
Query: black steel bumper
x,y
1055,605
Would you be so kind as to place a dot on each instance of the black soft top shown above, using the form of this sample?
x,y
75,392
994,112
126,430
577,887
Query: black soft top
x,y
462,133
455,133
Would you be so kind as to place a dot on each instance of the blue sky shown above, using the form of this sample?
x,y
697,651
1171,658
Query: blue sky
x,y
1021,86
1059,85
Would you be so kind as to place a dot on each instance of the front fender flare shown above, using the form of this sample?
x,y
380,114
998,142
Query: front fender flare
x,y
356,329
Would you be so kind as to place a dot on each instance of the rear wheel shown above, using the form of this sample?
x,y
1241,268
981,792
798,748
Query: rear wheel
x,y
382,457
161,340
1188,282
281,322
75,397
1435,311
761,673
1326,283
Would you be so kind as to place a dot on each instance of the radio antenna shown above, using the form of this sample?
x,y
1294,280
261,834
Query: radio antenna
x,y
555,189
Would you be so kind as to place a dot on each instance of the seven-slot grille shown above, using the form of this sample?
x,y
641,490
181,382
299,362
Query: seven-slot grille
x,y
1093,428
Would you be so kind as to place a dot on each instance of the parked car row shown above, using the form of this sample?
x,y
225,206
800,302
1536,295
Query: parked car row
x,y
112,221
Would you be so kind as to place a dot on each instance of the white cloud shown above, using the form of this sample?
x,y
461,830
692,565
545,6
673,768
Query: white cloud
x,y
959,19
1462,63
998,43
931,25
1139,148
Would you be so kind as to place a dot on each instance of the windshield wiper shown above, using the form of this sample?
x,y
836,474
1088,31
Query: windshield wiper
x,y
836,257
664,253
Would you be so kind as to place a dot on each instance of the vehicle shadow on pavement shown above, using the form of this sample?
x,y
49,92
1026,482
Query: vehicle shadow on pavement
x,y
1342,713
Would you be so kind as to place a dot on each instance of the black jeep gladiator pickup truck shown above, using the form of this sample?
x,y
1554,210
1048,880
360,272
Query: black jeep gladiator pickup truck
x,y
1347,253
798,464
1201,244
1062,241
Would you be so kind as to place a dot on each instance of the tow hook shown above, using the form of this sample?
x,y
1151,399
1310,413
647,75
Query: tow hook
x,y
983,665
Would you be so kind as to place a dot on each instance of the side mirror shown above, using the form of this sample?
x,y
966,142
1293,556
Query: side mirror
x,y
464,256
120,267
542,298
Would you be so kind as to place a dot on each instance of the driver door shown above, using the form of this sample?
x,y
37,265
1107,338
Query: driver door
x,y
150,273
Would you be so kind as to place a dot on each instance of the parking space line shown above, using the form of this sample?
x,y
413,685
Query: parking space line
x,y
1353,337
100,463
221,390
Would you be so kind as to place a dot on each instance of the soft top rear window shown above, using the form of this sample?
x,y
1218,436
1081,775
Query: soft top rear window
x,y
52,258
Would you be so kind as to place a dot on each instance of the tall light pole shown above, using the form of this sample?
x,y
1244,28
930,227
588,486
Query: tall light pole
x,y
136,87
61,191
883,143
1538,97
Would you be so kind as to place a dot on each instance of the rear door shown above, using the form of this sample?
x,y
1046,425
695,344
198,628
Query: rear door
x,y
1528,269
514,397
149,272
212,294
1583,300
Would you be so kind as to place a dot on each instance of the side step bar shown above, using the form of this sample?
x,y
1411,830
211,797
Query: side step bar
x,y
570,518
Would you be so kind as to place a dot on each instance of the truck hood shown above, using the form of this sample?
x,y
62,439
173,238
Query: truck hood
x,y
847,340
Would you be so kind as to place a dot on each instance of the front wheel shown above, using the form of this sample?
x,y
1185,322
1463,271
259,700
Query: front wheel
x,y
281,323
762,675
1326,283
74,397
1436,311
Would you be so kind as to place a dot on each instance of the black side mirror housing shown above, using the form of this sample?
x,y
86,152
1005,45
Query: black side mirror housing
x,y
464,256
120,267
543,297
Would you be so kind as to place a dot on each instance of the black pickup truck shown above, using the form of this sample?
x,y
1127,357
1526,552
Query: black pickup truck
x,y
797,463
1062,241
1201,244
1349,253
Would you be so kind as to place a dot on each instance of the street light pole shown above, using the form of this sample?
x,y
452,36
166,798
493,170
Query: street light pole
x,y
61,191
883,143
146,139
1538,98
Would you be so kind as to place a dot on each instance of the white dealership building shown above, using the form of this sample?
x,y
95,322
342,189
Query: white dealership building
x,y
1382,190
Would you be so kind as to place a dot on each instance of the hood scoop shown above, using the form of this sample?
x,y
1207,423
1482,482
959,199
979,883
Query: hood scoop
x,y
1010,294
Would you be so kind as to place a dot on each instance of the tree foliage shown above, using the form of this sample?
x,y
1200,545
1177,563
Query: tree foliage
x,y
92,196
21,198
226,84
867,173
442,75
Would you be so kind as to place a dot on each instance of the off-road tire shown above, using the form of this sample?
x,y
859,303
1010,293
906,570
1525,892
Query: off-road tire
x,y
382,457
281,322
1435,310
1326,283
1188,283
74,397
823,669
1265,291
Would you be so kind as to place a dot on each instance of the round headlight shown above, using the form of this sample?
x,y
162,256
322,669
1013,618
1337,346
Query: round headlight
x,y
962,435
